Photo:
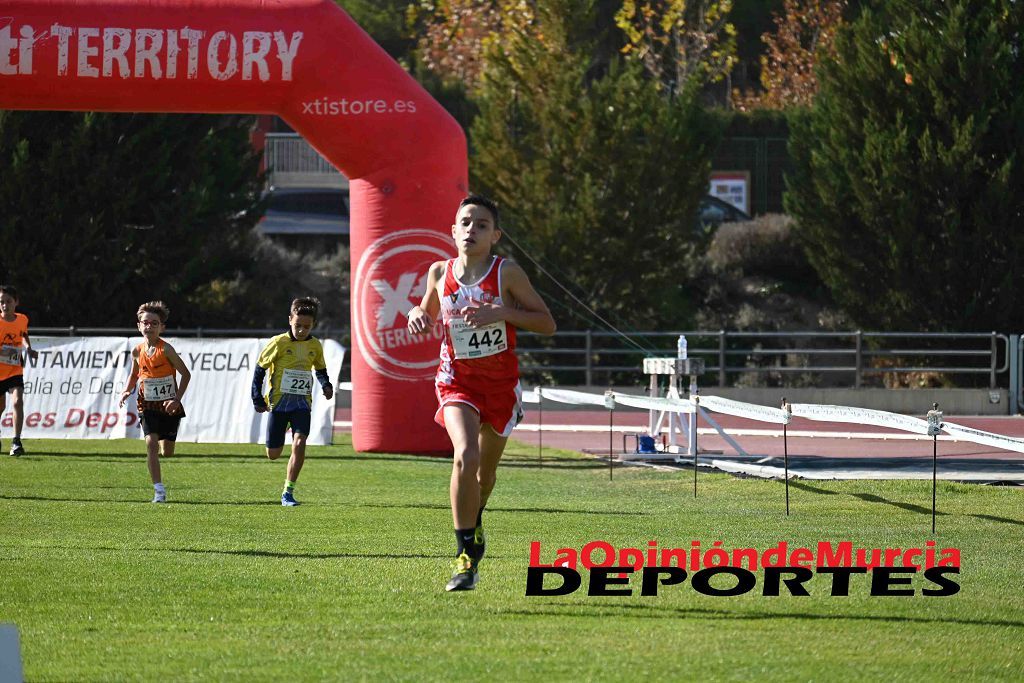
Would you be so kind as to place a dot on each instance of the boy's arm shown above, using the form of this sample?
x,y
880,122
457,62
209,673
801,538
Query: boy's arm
x,y
320,370
422,317
263,363
132,379
526,310
258,401
27,343
179,365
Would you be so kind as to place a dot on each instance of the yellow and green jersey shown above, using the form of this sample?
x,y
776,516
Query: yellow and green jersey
x,y
289,362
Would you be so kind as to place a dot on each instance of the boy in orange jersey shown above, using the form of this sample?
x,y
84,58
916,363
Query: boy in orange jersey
x,y
155,363
13,337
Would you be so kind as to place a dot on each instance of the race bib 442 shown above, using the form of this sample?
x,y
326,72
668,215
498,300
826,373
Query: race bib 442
x,y
477,342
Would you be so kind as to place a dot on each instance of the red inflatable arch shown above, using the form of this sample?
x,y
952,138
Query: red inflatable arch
x,y
308,62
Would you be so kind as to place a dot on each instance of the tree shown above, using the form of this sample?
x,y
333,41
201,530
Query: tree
x,y
102,212
681,43
598,174
908,184
805,32
456,34
385,20
752,19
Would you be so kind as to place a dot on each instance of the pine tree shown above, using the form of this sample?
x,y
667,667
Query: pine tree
x,y
909,184
598,174
104,211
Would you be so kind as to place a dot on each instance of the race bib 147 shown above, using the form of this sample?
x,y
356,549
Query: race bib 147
x,y
158,388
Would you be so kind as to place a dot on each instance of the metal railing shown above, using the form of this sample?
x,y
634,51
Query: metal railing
x,y
596,358
843,357
293,161
196,332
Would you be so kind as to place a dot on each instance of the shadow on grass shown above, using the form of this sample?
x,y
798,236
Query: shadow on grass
x,y
812,489
871,498
219,457
142,501
910,507
390,457
306,556
1004,520
657,612
514,461
275,554
439,506
566,464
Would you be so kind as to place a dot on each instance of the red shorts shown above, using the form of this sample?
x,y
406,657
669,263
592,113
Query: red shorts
x,y
503,410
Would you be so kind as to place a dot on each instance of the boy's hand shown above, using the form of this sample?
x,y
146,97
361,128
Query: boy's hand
x,y
328,391
124,397
33,354
261,407
478,313
419,321
172,406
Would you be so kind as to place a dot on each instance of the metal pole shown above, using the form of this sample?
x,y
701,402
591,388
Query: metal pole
x,y
694,475
934,425
859,361
935,468
611,462
992,369
691,439
721,358
540,430
1013,356
785,451
589,371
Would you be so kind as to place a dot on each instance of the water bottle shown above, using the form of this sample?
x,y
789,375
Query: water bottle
x,y
681,348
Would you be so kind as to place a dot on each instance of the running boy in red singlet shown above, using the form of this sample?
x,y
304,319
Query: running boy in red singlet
x,y
481,298
13,337
154,363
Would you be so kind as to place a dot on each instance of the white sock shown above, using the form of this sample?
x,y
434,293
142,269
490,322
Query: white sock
x,y
159,488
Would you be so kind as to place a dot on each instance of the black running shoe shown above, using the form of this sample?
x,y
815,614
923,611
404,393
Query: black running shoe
x,y
465,576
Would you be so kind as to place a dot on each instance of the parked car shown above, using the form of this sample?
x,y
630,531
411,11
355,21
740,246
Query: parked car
x,y
306,211
713,211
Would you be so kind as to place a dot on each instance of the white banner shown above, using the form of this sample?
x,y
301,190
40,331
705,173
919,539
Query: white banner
x,y
962,433
673,405
580,398
864,416
72,390
751,411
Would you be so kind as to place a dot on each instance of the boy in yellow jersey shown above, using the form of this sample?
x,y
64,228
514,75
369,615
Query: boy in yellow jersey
x,y
13,337
155,363
288,359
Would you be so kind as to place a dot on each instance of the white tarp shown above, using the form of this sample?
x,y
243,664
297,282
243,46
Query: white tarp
x,y
72,390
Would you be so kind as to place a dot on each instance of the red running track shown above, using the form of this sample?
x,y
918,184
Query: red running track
x,y
587,431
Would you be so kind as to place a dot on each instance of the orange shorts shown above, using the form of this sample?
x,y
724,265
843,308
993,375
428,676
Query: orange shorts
x,y
503,410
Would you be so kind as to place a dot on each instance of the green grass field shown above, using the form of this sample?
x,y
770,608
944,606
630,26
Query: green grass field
x,y
223,584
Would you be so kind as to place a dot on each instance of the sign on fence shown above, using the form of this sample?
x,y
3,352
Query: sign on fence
x,y
72,390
